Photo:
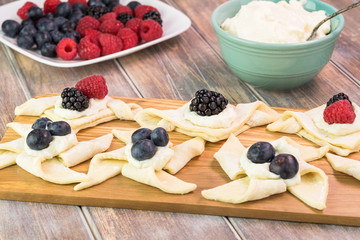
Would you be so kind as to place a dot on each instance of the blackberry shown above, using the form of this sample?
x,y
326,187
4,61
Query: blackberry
x,y
154,15
338,97
124,17
74,99
207,103
97,11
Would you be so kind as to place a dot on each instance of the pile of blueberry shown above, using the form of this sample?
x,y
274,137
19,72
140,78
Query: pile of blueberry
x,y
284,164
145,142
43,131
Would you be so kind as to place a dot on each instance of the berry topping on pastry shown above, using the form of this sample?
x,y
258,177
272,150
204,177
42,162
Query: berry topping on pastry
x,y
74,99
143,149
60,128
207,103
338,97
160,137
140,134
39,139
93,86
284,165
261,152
41,123
340,111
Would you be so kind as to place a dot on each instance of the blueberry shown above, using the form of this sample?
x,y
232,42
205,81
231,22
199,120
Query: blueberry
x,y
261,152
28,30
143,149
76,16
35,13
25,41
284,165
59,21
47,25
74,35
160,137
27,21
142,133
67,26
79,6
11,28
133,5
48,50
41,123
112,4
41,38
38,139
96,3
60,128
49,16
64,9
56,36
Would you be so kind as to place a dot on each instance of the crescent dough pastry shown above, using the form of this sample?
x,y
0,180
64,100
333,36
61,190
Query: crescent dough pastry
x,y
51,170
104,166
88,149
159,179
183,153
345,165
103,110
245,189
124,136
340,138
175,119
310,184
9,151
20,128
229,157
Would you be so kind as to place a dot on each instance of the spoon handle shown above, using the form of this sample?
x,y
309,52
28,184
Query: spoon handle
x,y
331,16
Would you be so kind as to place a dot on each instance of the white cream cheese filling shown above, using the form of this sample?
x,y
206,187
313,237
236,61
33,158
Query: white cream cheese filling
x,y
221,120
95,106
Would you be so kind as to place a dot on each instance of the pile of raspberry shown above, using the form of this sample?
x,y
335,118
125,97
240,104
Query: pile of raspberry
x,y
88,29
339,109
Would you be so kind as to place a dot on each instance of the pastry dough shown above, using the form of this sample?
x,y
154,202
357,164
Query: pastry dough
x,y
255,113
45,106
345,165
88,149
310,184
9,151
229,157
303,124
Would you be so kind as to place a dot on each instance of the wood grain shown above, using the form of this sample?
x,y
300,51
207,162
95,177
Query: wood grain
x,y
343,198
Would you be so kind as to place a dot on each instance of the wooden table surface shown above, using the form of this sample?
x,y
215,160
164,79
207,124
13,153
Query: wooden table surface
x,y
174,69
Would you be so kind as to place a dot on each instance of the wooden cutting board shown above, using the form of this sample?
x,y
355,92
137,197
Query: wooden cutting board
x,y
342,204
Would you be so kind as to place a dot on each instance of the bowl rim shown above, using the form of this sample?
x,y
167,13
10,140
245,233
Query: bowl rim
x,y
329,37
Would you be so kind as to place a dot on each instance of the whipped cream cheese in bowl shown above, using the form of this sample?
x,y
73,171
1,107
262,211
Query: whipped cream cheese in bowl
x,y
275,63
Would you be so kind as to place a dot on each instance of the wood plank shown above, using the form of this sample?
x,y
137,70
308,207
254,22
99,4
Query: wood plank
x,y
343,198
137,224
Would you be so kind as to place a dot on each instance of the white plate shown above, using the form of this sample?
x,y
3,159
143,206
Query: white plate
x,y
174,23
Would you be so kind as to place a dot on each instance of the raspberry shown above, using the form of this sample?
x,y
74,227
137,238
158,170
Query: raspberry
x,y
119,9
72,2
108,16
87,22
134,24
22,12
93,86
128,37
110,44
50,6
92,32
88,48
142,9
66,49
150,30
339,112
111,26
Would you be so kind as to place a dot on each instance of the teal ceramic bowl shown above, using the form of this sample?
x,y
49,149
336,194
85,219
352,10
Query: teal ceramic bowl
x,y
275,66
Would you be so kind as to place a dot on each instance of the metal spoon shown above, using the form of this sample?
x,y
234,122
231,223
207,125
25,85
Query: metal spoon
x,y
313,33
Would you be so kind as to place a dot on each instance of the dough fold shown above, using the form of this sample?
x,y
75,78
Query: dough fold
x,y
345,165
